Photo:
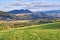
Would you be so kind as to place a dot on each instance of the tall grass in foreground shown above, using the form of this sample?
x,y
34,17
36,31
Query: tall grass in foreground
x,y
31,34
38,32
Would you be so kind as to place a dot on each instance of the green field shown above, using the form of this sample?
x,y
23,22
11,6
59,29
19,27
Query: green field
x,y
50,31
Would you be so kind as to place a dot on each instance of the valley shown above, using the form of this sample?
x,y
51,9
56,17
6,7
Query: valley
x,y
22,18
27,25
29,19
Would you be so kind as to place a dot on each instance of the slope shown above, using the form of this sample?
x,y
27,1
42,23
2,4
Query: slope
x,y
7,16
32,33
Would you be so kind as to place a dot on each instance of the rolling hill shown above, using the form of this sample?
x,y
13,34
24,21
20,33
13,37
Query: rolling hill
x,y
38,32
7,16
29,15
54,13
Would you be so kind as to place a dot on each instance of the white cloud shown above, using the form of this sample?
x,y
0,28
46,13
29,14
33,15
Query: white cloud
x,y
35,6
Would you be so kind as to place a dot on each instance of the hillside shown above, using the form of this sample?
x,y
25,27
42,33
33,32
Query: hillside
x,y
7,16
29,15
54,13
33,16
38,32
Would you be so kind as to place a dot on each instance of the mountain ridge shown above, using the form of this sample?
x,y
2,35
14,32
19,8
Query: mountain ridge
x,y
20,11
31,16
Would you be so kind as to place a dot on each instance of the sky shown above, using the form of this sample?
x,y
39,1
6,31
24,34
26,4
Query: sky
x,y
33,5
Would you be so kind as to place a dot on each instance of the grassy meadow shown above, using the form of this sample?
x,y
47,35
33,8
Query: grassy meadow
x,y
49,31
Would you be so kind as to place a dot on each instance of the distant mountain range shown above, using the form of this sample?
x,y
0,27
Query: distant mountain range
x,y
20,11
11,15
52,11
55,13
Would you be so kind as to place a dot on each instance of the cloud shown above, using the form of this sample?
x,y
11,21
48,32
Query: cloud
x,y
35,6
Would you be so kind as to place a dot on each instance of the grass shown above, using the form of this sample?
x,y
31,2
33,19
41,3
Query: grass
x,y
49,31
